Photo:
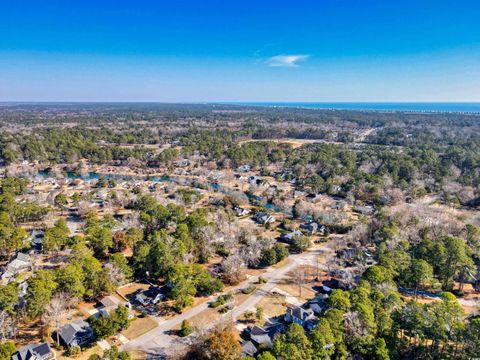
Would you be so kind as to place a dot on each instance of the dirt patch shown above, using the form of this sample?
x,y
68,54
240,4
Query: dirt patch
x,y
241,297
273,305
139,327
204,319
298,283
281,263
131,288
84,355
138,355
294,143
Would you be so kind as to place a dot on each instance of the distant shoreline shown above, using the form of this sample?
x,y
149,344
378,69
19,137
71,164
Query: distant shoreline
x,y
467,108
411,107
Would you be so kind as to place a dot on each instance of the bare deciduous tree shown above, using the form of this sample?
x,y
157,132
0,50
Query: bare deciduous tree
x,y
232,268
115,276
251,251
7,324
298,276
354,325
56,310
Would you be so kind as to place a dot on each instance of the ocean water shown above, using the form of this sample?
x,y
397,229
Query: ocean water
x,y
377,106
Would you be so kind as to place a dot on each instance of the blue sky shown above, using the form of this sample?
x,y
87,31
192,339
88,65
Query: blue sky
x,y
245,50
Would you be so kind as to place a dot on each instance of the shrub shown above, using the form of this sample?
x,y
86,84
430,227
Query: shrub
x,y
7,349
249,289
225,309
73,351
185,329
299,244
221,300
269,257
281,251
262,280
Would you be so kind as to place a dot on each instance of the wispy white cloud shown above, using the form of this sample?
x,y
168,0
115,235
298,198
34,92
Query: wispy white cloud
x,y
286,60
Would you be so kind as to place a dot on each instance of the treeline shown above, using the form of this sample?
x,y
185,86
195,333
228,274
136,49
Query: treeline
x,y
58,145
31,114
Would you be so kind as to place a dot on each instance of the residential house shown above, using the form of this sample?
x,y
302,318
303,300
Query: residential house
x,y
108,304
313,198
263,218
152,296
316,307
336,284
248,349
288,237
20,264
318,303
239,211
323,289
260,336
360,254
254,180
364,210
40,351
347,254
36,240
312,228
76,333
111,302
244,168
299,315
275,330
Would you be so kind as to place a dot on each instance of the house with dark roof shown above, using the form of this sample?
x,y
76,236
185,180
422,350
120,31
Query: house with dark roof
x,y
259,336
312,228
263,218
316,308
40,351
76,333
275,330
36,240
313,198
152,296
288,237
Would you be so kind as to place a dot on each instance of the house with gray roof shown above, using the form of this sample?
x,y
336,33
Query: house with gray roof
x,y
76,333
20,264
299,315
263,218
288,237
248,348
40,351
